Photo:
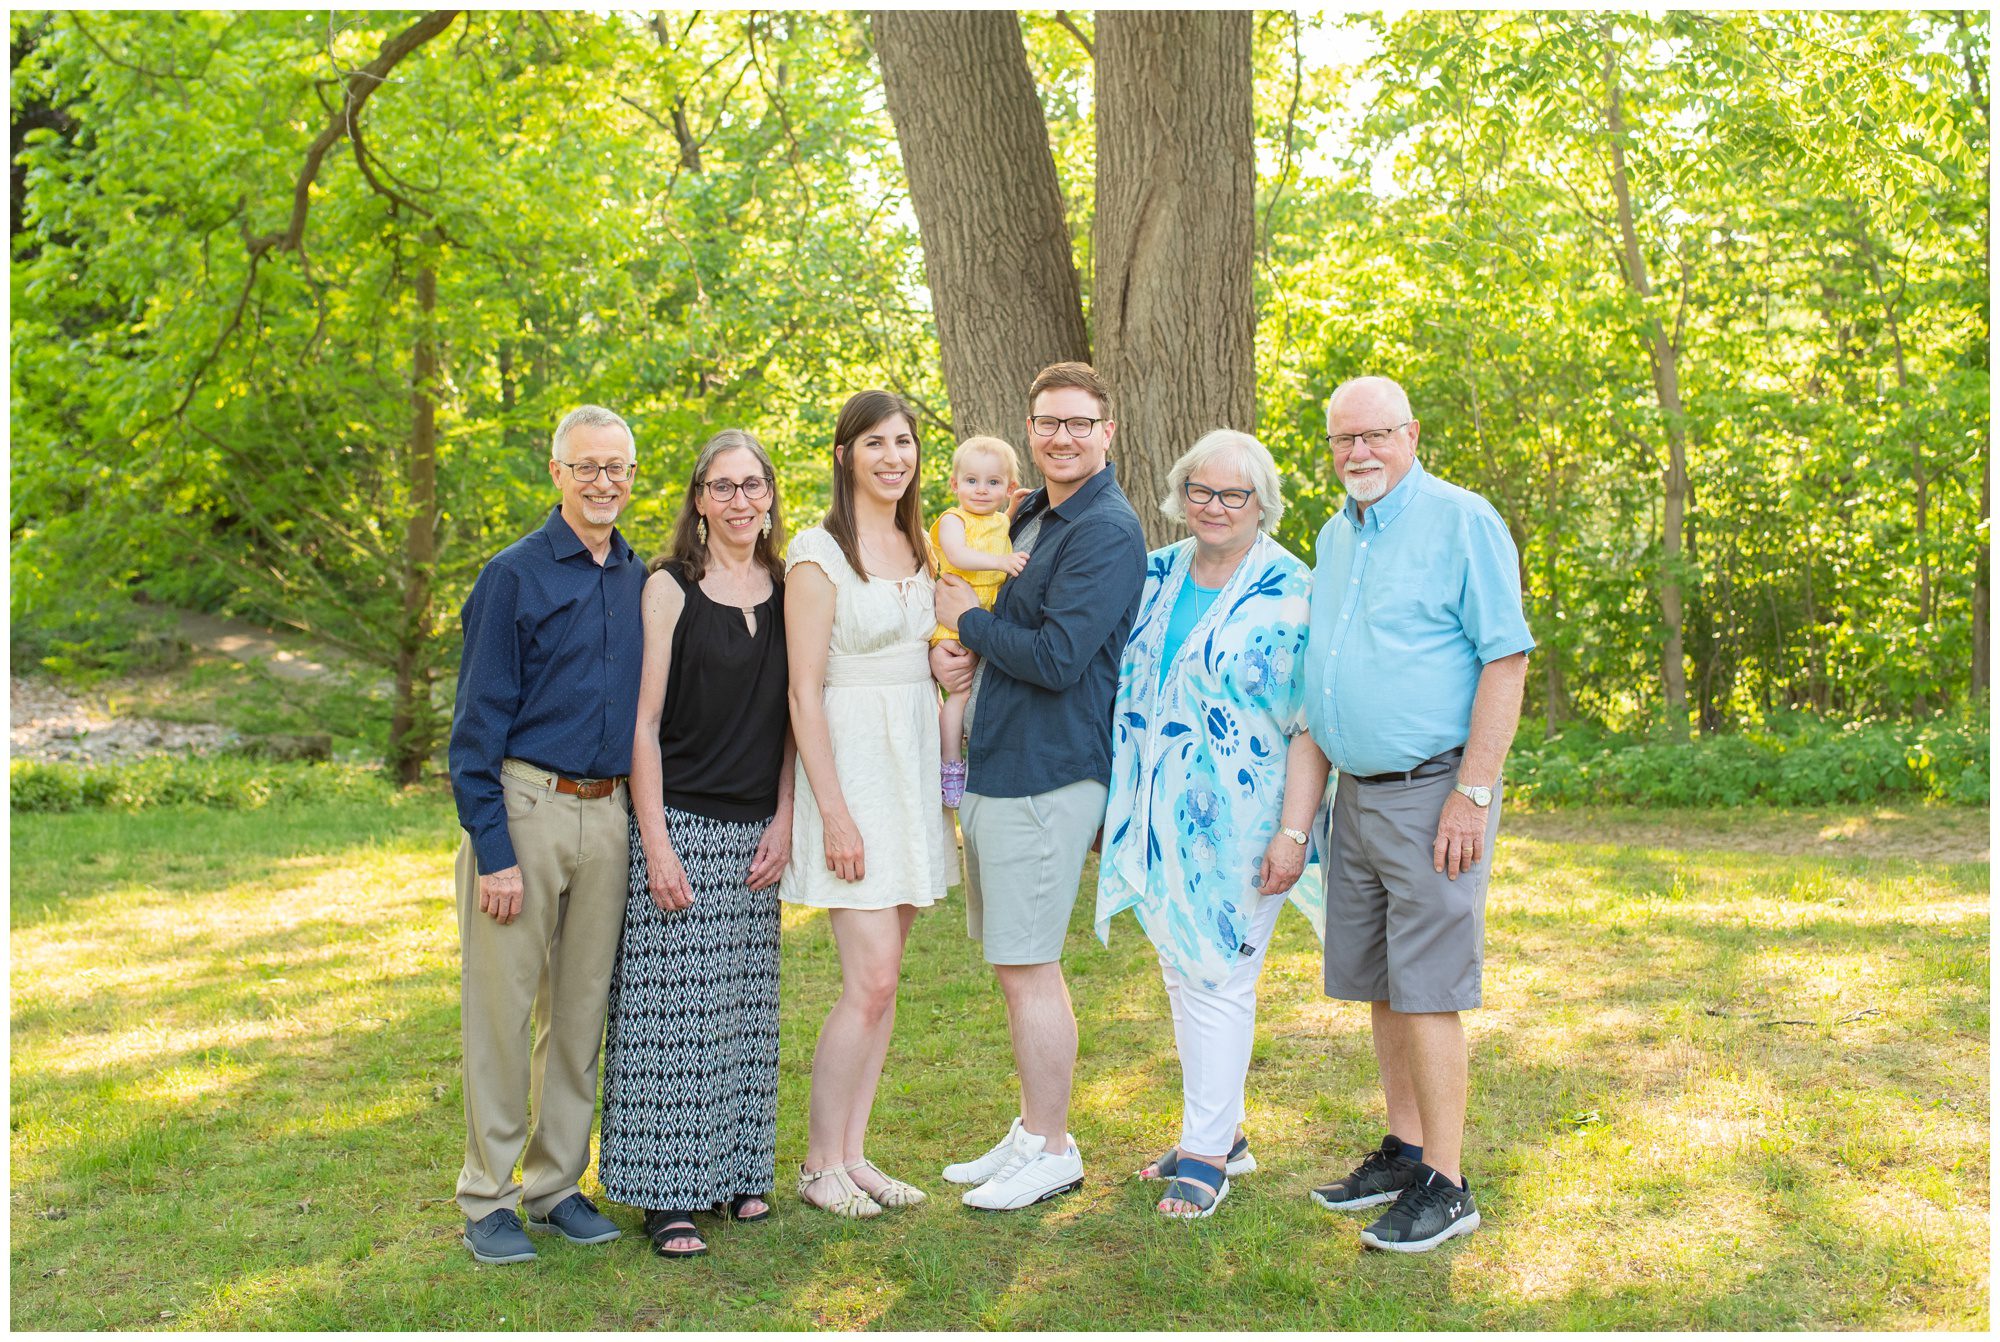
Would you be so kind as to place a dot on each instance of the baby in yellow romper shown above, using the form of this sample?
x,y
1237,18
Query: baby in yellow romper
x,y
972,543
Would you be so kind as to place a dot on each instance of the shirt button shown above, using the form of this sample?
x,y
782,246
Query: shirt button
x,y
1355,583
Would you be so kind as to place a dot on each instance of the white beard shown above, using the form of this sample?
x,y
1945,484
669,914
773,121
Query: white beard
x,y
1368,486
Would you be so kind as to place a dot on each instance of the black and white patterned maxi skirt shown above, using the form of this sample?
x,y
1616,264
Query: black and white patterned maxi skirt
x,y
691,1041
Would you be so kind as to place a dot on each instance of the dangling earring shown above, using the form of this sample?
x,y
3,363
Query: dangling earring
x,y
701,530
767,524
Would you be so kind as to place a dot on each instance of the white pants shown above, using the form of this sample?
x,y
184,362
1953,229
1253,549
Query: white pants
x,y
1213,1028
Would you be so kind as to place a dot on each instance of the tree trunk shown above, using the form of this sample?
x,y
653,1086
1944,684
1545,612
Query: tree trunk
x,y
412,727
989,209
1665,360
1171,302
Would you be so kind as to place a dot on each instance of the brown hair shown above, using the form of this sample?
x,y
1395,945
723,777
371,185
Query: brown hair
x,y
687,549
862,412
1079,375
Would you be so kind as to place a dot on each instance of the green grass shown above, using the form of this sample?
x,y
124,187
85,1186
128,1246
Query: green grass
x,y
236,1102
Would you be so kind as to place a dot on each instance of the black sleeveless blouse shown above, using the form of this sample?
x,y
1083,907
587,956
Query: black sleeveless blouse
x,y
722,727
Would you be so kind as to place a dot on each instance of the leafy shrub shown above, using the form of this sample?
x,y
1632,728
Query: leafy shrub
x,y
222,782
1794,760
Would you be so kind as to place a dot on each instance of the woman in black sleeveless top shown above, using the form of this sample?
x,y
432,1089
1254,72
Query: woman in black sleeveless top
x,y
691,1048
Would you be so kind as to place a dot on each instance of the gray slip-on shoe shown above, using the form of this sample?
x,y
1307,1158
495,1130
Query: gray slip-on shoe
x,y
497,1237
577,1220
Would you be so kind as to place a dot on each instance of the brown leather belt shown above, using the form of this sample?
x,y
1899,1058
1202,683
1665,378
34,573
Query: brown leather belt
x,y
588,789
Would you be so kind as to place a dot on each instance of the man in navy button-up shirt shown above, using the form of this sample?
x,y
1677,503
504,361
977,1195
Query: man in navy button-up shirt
x,y
1040,757
541,739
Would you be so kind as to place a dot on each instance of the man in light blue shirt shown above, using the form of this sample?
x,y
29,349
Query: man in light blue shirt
x,y
1414,671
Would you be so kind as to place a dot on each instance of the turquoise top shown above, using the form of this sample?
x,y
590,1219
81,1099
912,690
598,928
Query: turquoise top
x,y
1409,603
1192,604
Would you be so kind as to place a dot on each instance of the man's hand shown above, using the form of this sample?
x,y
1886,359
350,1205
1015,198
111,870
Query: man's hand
x,y
951,666
1278,870
953,598
501,893
1461,836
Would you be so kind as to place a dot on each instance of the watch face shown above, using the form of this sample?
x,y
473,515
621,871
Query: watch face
x,y
1482,795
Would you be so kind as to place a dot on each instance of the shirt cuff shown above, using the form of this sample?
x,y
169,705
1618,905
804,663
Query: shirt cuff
x,y
969,624
495,850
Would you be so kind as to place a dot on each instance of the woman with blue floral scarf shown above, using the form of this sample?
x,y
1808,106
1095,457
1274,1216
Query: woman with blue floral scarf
x,y
1214,783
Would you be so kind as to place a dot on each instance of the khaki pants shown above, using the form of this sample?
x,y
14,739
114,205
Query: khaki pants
x,y
552,963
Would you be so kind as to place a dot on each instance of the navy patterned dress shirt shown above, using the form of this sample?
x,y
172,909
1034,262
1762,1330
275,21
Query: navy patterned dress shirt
x,y
550,673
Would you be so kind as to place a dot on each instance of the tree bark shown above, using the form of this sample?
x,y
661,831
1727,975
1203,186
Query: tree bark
x,y
411,725
989,209
1665,361
1172,302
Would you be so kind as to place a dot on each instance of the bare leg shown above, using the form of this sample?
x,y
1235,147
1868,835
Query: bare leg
x,y
1392,1057
854,1140
1043,1028
951,726
1435,1050
848,1059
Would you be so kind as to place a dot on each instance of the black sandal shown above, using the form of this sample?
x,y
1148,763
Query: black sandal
x,y
662,1226
736,1206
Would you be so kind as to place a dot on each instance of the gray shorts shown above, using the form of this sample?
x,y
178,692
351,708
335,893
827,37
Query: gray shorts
x,y
1396,930
1023,860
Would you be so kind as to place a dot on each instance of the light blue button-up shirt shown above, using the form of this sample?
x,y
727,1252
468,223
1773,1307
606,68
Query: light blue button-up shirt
x,y
1409,602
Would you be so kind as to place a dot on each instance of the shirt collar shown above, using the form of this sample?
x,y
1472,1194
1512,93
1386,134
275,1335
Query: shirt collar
x,y
564,544
1387,508
1070,508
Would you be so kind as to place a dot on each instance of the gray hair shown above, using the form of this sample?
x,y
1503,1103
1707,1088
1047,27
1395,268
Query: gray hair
x,y
1246,451
1389,385
590,417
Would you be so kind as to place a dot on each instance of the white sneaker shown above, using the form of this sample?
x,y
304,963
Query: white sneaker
x,y
1030,1175
986,1166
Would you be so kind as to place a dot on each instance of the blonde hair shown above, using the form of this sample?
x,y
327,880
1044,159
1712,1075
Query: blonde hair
x,y
989,446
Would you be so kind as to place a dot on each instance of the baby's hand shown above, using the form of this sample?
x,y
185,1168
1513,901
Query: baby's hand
x,y
1014,563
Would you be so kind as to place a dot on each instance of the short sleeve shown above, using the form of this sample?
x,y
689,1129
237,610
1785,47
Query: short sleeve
x,y
815,546
1490,602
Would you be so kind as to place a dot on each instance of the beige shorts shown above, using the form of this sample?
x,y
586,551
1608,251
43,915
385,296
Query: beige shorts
x,y
1023,860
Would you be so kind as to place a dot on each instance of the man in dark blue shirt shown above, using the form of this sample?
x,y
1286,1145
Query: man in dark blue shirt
x,y
1039,762
541,741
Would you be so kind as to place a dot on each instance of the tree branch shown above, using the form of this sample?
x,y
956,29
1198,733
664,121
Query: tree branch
x,y
1062,17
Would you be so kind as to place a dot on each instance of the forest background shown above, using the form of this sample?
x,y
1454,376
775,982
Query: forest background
x,y
1699,301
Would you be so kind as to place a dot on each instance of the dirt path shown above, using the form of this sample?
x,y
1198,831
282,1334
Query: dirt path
x,y
248,644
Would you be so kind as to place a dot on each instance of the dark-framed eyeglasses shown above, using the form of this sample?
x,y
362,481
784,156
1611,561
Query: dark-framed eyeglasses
x,y
617,472
1375,438
1079,426
1201,495
722,491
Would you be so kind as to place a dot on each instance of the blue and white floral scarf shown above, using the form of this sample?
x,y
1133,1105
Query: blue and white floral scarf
x,y
1198,764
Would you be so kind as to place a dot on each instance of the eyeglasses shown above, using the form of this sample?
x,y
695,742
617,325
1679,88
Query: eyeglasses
x,y
722,491
1045,426
1340,442
617,472
1199,495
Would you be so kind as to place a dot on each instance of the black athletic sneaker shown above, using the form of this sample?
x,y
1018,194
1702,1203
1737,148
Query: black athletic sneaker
x,y
1431,1211
1376,1180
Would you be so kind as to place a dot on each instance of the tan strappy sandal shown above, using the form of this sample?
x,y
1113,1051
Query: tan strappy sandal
x,y
894,1192
852,1204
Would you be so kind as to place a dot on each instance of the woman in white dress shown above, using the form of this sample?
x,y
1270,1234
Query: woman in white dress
x,y
870,841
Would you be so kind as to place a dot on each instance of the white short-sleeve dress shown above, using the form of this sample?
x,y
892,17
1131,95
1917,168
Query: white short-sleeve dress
x,y
882,715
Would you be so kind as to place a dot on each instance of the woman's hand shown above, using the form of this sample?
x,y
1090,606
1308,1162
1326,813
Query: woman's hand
x,y
843,847
666,882
1278,870
774,851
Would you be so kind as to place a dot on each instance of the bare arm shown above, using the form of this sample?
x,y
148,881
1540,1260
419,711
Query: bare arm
x,y
1496,712
660,611
809,606
1305,785
951,543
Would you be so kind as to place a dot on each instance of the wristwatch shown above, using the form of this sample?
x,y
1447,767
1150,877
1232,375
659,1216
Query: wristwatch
x,y
1297,836
1482,797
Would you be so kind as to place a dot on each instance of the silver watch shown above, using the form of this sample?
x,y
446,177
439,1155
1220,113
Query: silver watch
x,y
1482,797
1297,836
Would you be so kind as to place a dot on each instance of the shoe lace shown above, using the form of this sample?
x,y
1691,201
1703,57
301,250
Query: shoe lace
x,y
1375,1162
